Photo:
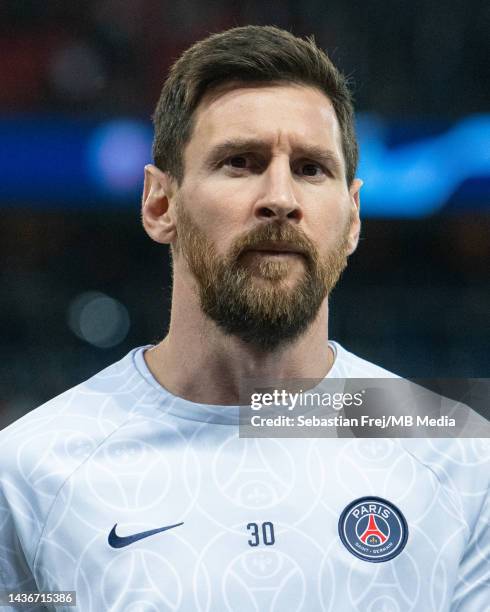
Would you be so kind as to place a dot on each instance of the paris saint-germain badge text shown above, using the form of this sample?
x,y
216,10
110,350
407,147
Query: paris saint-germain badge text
x,y
373,529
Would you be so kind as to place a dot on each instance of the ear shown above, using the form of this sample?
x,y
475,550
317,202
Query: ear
x,y
355,228
157,212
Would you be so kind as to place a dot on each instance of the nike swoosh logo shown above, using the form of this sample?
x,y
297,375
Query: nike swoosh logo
x,y
120,542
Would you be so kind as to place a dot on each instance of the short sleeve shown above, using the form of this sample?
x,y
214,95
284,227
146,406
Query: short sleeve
x,y
472,590
15,573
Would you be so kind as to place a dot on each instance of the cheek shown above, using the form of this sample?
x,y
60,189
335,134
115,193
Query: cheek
x,y
331,219
218,207
217,212
332,235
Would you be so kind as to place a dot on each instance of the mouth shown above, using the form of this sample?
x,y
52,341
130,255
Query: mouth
x,y
277,249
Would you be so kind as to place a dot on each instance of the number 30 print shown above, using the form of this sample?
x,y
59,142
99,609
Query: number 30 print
x,y
267,530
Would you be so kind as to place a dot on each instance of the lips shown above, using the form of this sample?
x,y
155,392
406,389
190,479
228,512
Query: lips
x,y
271,253
277,248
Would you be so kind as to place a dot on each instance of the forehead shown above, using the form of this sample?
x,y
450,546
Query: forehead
x,y
282,114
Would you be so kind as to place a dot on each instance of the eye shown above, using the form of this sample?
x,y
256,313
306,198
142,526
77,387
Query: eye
x,y
237,161
311,169
242,161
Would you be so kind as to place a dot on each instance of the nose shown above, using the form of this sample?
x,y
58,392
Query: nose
x,y
277,199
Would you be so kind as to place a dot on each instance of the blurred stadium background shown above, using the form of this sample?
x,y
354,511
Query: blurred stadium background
x,y
81,282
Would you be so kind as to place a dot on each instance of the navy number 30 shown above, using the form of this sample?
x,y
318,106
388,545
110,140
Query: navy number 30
x,y
267,534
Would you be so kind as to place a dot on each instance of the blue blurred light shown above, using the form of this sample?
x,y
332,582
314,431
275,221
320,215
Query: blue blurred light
x,y
116,154
417,179
50,162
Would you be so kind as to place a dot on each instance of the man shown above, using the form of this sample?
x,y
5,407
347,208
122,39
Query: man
x,y
134,490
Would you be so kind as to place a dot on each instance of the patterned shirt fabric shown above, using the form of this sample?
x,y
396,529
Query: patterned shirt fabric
x,y
139,500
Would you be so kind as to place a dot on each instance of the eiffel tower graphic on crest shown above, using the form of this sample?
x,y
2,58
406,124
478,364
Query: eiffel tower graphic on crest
x,y
372,534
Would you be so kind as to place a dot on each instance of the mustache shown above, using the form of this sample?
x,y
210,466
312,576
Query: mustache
x,y
271,234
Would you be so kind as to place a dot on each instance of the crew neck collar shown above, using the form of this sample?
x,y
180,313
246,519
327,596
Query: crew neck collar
x,y
206,413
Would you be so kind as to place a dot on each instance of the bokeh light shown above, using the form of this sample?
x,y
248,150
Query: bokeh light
x,y
98,319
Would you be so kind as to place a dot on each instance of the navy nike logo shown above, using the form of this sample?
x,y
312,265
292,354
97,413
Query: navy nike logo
x,y
120,542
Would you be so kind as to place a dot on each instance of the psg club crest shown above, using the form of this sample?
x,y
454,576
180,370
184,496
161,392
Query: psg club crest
x,y
373,529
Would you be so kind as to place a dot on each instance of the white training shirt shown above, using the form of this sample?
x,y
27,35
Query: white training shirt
x,y
250,524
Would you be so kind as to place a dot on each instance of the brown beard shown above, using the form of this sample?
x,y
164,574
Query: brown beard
x,y
265,313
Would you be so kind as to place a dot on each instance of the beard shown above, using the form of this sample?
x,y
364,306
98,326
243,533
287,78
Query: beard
x,y
249,296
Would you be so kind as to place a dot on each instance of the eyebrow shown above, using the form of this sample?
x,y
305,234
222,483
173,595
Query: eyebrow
x,y
237,145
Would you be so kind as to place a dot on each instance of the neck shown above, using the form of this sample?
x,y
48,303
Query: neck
x,y
198,362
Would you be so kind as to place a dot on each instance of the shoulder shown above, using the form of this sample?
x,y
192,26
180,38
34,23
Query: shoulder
x,y
462,467
44,448
348,365
91,408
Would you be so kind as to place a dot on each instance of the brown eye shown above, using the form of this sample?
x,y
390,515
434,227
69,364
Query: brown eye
x,y
238,161
311,169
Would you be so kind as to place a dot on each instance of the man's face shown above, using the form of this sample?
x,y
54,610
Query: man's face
x,y
265,220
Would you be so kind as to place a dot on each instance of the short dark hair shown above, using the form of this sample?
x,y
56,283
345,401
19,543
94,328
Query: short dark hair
x,y
246,54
